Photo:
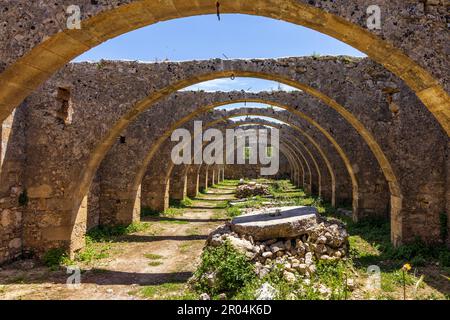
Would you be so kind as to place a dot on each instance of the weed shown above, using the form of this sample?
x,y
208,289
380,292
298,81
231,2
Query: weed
x,y
232,270
56,257
105,233
233,212
152,256
168,291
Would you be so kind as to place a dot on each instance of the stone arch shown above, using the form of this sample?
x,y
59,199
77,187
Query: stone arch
x,y
218,121
170,170
27,72
396,196
179,123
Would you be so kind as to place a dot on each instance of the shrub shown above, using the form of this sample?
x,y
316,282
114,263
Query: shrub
x,y
56,257
186,202
233,212
280,186
232,270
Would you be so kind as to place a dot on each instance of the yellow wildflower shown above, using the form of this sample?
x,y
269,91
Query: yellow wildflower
x,y
406,267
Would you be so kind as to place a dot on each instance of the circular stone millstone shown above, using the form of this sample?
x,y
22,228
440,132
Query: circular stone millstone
x,y
263,225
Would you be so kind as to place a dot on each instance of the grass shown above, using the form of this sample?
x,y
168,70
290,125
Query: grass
x,y
369,245
193,231
174,222
98,245
105,233
173,212
233,212
168,291
152,256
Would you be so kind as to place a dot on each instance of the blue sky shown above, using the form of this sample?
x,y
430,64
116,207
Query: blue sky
x,y
204,37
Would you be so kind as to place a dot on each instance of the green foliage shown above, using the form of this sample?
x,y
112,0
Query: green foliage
x,y
232,269
172,212
166,291
106,233
23,198
333,275
280,186
233,212
92,252
176,203
152,256
56,257
174,221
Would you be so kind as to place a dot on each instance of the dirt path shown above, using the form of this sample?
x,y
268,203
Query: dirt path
x,y
166,253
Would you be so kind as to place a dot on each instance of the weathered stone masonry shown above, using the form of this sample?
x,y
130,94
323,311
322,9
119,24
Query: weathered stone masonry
x,y
63,128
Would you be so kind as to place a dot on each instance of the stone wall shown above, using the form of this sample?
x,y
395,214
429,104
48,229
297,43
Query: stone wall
x,y
411,40
65,145
12,195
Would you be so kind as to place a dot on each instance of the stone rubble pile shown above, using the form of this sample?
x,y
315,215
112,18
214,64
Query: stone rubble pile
x,y
327,240
251,190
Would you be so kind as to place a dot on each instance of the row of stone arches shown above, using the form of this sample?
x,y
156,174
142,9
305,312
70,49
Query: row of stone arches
x,y
58,189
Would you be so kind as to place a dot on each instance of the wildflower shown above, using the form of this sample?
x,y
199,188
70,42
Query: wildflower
x,y
406,267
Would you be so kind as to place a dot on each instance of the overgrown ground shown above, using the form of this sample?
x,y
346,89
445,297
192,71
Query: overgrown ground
x,y
155,258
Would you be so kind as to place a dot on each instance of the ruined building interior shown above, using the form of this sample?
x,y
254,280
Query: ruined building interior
x,y
87,145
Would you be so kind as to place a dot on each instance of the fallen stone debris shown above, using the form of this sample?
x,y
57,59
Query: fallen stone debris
x,y
251,190
302,239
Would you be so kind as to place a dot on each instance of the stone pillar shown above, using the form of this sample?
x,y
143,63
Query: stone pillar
x,y
12,161
219,175
155,185
193,179
202,178
178,186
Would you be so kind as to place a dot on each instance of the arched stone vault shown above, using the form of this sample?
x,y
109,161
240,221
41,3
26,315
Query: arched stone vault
x,y
156,183
32,56
101,92
101,148
34,47
196,104
295,152
233,113
167,157
292,152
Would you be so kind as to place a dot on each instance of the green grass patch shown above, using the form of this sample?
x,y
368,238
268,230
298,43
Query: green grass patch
x,y
232,270
168,291
152,256
174,221
106,233
56,257
173,212
233,212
